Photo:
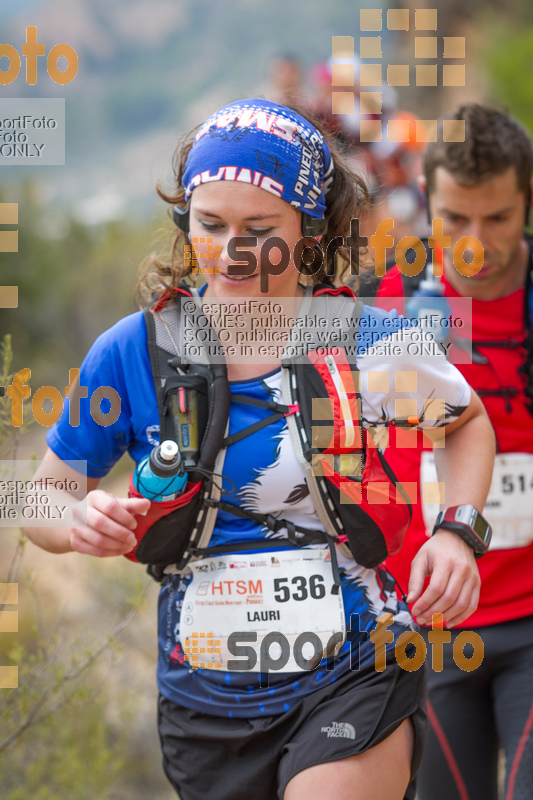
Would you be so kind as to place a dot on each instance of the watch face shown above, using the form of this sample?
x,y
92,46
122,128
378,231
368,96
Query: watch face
x,y
480,527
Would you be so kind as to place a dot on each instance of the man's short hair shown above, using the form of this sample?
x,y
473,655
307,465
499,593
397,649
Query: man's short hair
x,y
494,141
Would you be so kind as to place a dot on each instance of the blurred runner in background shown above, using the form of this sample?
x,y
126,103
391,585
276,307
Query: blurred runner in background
x,y
285,80
390,169
481,188
345,127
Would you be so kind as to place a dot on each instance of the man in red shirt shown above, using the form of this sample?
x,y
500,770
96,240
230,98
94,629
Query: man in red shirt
x,y
481,188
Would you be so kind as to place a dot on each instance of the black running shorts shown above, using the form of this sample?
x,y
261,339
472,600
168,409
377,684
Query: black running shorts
x,y
220,758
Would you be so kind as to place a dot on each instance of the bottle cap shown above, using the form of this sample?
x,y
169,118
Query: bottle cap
x,y
169,450
430,284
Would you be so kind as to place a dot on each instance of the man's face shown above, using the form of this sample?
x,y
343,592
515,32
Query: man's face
x,y
493,212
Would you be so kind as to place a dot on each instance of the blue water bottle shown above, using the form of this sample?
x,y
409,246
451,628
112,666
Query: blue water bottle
x,y
161,475
428,306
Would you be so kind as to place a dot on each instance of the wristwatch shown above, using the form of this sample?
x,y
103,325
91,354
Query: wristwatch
x,y
466,522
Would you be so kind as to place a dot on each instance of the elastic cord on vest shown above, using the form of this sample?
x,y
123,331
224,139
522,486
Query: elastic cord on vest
x,y
307,536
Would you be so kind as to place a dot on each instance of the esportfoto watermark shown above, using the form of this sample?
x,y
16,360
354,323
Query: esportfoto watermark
x,y
30,501
20,390
245,261
249,330
272,652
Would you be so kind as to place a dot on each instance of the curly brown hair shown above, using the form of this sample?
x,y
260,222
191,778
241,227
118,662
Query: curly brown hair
x,y
347,196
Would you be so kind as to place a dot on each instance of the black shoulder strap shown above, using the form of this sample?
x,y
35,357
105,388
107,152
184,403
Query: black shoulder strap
x,y
159,359
208,379
155,361
527,367
528,296
161,371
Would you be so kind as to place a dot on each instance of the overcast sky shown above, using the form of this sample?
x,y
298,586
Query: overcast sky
x,y
9,8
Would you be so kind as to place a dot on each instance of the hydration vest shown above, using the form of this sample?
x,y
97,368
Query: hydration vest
x,y
355,493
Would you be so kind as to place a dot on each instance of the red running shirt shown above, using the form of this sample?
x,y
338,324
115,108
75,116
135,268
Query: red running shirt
x,y
506,575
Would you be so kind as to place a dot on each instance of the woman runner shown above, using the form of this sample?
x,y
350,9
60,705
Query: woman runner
x,y
346,728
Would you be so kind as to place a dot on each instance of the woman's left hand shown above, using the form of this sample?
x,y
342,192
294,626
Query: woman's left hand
x,y
453,589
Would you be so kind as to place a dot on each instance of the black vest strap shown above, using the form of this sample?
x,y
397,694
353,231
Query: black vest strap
x,y
279,412
308,536
272,523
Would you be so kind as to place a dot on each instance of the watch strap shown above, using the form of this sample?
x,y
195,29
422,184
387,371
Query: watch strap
x,y
462,530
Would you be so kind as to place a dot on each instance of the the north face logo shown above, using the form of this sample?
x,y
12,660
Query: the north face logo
x,y
339,730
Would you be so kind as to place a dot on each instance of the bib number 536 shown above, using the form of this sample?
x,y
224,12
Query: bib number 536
x,y
300,587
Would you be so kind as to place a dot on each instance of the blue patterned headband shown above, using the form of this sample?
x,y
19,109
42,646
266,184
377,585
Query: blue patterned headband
x,y
267,145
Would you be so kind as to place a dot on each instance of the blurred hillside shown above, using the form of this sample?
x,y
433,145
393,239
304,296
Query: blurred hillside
x,y
74,282
102,744
149,71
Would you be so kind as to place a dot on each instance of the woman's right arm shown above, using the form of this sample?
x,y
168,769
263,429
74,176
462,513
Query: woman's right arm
x,y
100,524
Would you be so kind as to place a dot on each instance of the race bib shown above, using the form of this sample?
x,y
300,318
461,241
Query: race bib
x,y
509,506
262,612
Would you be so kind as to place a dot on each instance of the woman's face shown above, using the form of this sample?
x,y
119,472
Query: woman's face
x,y
223,210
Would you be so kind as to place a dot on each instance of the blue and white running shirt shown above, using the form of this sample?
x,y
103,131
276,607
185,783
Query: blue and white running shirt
x,y
267,479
